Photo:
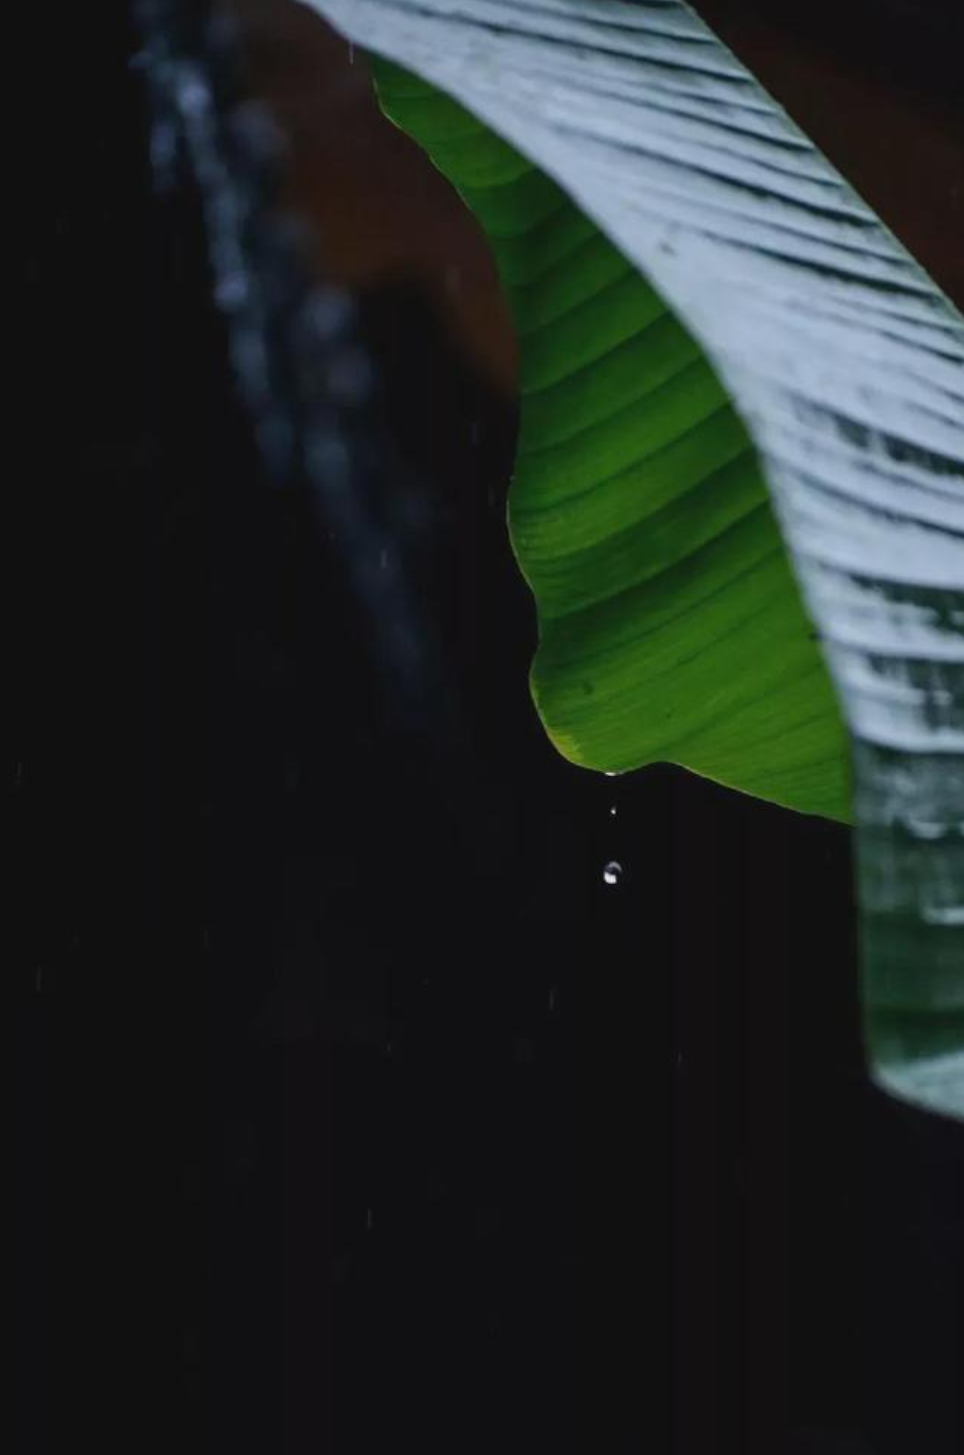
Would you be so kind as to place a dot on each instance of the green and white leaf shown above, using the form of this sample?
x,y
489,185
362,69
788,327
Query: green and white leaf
x,y
717,334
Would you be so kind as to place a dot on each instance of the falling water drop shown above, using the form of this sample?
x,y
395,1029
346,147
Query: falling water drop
x,y
612,873
612,811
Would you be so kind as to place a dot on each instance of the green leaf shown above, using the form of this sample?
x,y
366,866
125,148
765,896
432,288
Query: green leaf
x,y
717,334
670,625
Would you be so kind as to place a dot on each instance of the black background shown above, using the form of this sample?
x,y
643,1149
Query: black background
x,y
358,1111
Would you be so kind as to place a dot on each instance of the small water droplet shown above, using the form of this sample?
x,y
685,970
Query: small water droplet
x,y
612,873
612,811
611,775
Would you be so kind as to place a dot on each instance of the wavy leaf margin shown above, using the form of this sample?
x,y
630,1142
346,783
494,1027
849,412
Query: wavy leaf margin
x,y
847,365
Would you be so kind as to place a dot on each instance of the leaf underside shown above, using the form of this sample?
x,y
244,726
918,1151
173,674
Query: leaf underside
x,y
716,335
670,626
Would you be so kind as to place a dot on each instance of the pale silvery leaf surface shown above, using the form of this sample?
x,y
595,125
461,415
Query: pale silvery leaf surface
x,y
845,365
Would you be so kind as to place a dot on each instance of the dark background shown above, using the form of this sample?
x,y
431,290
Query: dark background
x,y
358,1112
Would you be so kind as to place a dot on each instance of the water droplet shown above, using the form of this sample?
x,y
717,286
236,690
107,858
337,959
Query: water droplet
x,y
612,873
612,811
611,775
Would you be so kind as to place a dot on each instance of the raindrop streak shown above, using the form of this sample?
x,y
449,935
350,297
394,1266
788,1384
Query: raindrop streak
x,y
612,873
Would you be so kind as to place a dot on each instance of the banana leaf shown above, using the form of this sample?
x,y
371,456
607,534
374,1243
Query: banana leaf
x,y
739,491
